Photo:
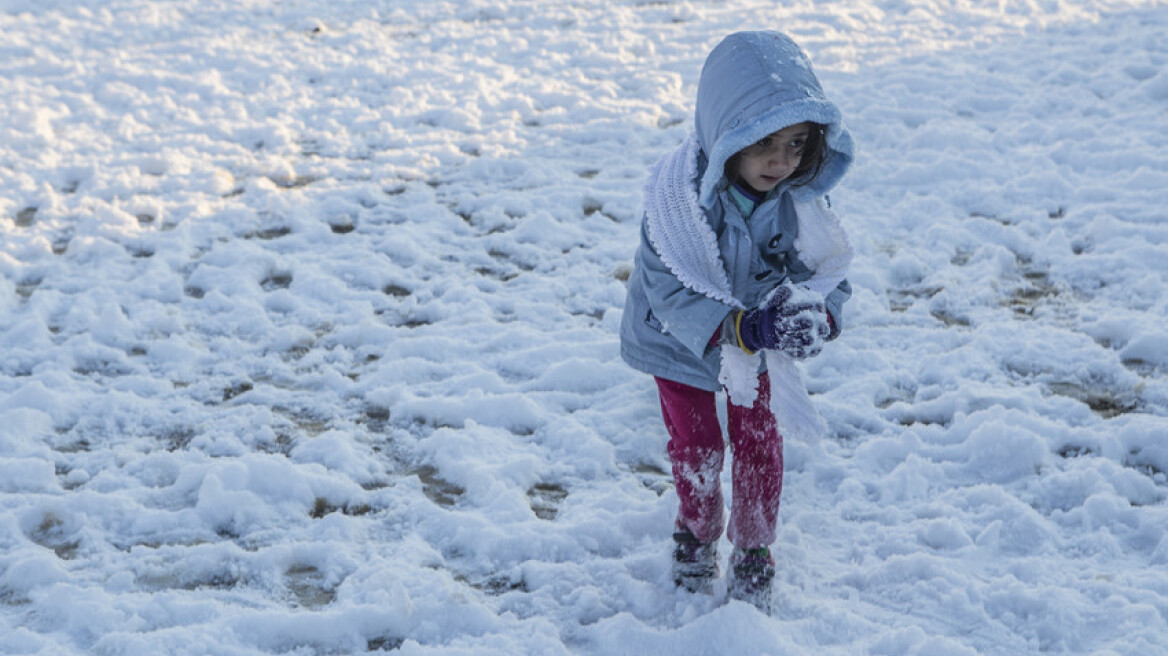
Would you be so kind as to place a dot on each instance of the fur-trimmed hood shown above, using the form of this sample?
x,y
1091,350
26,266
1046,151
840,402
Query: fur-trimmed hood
x,y
754,84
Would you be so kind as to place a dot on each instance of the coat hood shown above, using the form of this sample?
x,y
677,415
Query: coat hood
x,y
754,84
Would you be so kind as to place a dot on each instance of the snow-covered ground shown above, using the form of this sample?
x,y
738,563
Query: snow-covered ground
x,y
308,325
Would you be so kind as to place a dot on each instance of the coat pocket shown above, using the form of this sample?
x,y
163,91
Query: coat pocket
x,y
652,322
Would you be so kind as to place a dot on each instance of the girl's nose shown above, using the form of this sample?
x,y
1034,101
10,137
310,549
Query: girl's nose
x,y
786,159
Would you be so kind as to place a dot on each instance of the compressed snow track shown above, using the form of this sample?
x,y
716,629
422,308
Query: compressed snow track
x,y
308,320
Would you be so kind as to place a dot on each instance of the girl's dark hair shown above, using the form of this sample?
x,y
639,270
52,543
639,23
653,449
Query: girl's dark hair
x,y
815,153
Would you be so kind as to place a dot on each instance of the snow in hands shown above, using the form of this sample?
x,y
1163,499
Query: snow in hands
x,y
308,318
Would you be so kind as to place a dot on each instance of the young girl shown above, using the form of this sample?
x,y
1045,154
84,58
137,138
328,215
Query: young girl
x,y
740,271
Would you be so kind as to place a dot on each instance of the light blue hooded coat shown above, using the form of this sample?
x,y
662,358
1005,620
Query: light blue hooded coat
x,y
752,85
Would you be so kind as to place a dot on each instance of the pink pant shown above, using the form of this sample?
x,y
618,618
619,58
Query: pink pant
x,y
696,449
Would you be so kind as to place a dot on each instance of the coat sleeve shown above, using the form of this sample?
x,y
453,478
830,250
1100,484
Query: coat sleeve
x,y
689,317
835,307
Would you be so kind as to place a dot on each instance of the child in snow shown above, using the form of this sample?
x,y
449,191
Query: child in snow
x,y
739,273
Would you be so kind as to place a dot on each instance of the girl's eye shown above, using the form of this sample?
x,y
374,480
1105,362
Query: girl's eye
x,y
765,142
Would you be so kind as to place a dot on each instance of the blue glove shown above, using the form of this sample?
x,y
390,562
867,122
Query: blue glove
x,y
792,320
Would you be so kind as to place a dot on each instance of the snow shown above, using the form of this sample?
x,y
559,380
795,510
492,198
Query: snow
x,y
309,320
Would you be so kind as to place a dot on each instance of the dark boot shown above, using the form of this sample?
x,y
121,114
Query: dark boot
x,y
752,577
695,564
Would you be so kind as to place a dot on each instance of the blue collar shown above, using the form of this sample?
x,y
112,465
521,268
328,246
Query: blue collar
x,y
745,198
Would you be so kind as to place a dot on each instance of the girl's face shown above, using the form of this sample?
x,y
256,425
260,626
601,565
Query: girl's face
x,y
773,158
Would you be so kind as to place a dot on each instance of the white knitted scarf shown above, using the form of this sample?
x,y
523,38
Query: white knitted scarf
x,y
687,244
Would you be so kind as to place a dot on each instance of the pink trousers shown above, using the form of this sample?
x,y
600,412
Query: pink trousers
x,y
696,450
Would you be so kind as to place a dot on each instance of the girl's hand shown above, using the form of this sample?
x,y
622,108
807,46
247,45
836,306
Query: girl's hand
x,y
792,319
